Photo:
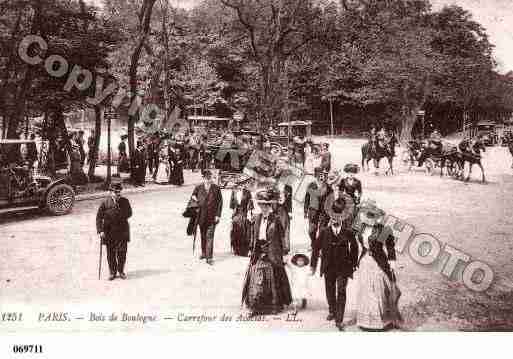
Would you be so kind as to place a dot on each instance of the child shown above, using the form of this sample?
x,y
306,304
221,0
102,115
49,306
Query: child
x,y
300,275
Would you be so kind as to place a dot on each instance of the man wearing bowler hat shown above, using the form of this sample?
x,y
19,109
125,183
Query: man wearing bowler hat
x,y
338,249
114,230
210,205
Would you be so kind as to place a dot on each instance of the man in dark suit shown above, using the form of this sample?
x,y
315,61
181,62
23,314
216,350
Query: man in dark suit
x,y
114,231
140,164
210,203
326,158
339,251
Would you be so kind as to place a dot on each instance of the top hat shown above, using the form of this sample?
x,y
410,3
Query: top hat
x,y
115,187
351,168
268,196
294,259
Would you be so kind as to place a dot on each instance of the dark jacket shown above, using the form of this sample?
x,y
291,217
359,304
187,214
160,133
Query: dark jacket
x,y
350,189
339,253
113,220
288,198
326,161
273,248
244,206
377,248
210,204
139,158
315,197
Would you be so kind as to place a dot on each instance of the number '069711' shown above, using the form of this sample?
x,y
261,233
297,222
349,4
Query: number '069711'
x,y
22,349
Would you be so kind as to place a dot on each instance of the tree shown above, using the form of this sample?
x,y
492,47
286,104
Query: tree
x,y
266,34
400,55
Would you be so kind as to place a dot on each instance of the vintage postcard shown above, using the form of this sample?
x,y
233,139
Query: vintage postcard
x,y
255,166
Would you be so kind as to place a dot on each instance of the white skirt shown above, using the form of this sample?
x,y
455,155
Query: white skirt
x,y
163,173
377,297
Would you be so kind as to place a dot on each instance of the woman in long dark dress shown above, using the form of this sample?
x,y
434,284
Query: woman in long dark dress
x,y
241,202
266,288
176,165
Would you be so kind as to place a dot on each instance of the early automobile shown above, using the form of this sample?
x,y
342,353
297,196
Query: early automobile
x,y
232,155
487,129
21,188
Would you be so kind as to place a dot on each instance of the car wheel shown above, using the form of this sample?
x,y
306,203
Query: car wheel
x,y
60,199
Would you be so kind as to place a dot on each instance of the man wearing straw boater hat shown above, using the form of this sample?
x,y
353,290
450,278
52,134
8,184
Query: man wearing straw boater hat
x,y
114,230
338,249
210,204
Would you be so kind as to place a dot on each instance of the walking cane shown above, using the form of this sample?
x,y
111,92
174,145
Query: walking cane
x,y
100,262
194,239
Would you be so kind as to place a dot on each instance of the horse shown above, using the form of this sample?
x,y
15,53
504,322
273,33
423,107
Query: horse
x,y
473,158
382,149
453,161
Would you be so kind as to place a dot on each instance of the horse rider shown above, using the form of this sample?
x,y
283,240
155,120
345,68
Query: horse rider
x,y
465,146
382,134
470,146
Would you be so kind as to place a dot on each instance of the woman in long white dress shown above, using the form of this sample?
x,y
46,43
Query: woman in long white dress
x,y
163,170
308,166
378,294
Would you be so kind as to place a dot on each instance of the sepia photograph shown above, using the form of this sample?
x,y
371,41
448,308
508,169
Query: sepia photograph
x,y
255,166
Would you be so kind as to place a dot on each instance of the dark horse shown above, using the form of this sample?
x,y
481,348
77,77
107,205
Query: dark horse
x,y
473,159
382,149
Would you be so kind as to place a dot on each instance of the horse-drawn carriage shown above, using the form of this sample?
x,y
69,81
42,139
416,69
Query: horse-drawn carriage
x,y
433,155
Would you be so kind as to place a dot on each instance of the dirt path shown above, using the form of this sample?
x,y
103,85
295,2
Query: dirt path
x,y
50,263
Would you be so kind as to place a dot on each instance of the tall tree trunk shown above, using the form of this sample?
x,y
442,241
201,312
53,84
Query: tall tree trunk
x,y
165,38
21,91
407,122
93,158
144,18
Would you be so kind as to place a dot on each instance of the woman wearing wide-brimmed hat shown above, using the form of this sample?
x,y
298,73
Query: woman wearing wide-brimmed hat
x,y
334,194
266,287
378,293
